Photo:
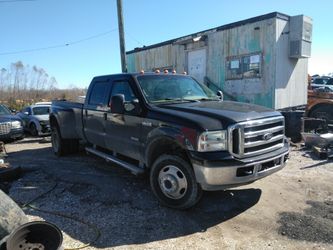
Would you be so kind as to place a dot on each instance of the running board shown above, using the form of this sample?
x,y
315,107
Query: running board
x,y
134,169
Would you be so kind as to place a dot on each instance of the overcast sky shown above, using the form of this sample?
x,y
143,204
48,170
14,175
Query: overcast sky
x,y
78,39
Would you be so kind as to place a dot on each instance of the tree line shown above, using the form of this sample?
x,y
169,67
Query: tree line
x,y
22,85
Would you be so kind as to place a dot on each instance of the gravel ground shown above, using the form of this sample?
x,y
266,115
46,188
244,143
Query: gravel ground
x,y
95,203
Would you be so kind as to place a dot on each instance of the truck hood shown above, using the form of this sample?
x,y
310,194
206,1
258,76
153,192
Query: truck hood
x,y
229,111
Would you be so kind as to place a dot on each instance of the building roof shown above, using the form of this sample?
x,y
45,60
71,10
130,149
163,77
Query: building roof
x,y
219,28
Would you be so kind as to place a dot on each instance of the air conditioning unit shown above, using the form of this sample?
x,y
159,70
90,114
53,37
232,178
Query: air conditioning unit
x,y
300,36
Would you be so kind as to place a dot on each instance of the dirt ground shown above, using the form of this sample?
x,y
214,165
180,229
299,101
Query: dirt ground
x,y
105,206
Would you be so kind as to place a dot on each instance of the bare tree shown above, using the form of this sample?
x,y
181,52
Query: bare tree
x,y
21,85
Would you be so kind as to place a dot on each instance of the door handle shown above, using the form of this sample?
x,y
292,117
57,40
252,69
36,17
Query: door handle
x,y
86,112
105,116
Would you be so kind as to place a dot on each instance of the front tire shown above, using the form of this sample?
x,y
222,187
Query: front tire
x,y
173,182
33,129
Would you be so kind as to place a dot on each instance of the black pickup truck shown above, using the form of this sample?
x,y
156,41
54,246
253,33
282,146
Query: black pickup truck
x,y
175,128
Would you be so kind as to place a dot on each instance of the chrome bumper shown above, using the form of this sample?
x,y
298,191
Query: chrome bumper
x,y
220,178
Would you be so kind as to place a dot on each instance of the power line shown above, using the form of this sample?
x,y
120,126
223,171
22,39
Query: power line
x,y
134,39
13,1
59,45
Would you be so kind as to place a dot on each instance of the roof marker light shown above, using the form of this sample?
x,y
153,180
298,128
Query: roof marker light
x,y
166,71
157,71
174,71
142,72
184,73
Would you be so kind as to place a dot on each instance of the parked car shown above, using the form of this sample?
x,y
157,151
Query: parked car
x,y
324,82
174,128
36,119
11,126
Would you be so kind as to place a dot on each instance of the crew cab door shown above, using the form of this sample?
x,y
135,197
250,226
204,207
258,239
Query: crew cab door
x,y
95,111
123,131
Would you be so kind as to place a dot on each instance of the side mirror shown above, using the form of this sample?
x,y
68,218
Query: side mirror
x,y
117,104
220,94
133,107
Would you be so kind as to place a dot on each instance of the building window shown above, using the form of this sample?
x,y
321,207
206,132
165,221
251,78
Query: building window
x,y
234,67
245,66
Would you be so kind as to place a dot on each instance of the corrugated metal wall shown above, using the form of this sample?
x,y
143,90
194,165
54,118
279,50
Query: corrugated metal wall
x,y
282,79
247,39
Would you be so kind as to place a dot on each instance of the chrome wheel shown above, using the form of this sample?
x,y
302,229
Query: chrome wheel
x,y
172,182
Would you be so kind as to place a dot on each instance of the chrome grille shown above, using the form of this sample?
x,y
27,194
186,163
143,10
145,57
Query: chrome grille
x,y
256,137
5,128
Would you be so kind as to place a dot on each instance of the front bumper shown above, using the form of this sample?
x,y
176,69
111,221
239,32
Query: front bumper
x,y
13,134
220,174
44,130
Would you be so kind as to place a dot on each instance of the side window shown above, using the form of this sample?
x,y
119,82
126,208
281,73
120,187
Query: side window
x,y
99,93
123,87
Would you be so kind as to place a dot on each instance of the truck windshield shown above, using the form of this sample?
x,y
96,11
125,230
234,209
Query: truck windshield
x,y
171,88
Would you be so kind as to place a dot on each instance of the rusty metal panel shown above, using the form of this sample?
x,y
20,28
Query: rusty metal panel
x,y
255,37
281,82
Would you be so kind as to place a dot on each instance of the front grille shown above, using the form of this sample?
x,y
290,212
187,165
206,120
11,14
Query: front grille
x,y
5,128
256,137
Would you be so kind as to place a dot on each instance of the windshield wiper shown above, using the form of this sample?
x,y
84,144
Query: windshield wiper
x,y
208,99
178,100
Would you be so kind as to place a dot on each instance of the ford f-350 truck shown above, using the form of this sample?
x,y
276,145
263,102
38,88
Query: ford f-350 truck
x,y
174,128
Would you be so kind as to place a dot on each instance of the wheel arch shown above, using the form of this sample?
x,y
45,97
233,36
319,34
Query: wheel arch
x,y
164,145
317,106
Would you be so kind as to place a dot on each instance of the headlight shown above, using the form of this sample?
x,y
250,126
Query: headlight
x,y
16,124
212,141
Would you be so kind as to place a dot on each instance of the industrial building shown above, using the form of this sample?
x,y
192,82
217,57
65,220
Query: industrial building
x,y
261,60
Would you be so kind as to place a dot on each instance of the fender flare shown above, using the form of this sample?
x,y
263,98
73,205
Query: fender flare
x,y
163,136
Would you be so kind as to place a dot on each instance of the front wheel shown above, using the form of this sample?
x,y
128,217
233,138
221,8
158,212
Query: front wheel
x,y
33,129
173,182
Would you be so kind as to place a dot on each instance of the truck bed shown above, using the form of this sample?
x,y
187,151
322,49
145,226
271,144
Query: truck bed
x,y
69,116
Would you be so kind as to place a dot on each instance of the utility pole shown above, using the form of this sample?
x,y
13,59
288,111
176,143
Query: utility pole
x,y
121,36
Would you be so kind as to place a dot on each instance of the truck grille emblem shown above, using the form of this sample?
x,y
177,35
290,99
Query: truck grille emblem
x,y
267,136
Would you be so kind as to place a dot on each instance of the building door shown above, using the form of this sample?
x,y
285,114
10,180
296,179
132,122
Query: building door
x,y
197,64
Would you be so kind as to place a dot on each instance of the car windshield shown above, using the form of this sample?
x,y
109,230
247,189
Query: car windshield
x,y
329,82
4,110
41,110
173,88
321,80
